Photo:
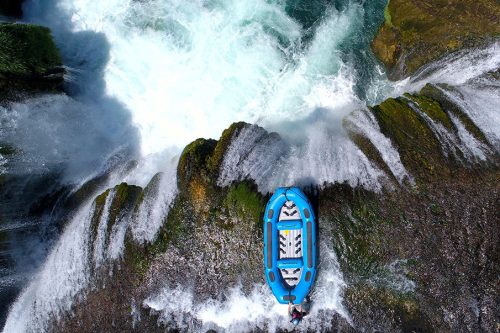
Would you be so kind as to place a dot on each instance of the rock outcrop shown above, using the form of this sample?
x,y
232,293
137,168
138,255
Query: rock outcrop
x,y
417,32
420,256
29,60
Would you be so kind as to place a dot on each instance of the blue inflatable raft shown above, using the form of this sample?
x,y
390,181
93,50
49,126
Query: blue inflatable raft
x,y
289,245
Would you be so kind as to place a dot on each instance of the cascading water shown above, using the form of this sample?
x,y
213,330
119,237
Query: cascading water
x,y
147,77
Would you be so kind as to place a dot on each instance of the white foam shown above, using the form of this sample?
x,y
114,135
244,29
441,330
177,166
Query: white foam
x,y
364,122
471,147
327,156
57,133
151,214
481,105
183,69
241,312
116,237
56,286
3,162
460,67
102,232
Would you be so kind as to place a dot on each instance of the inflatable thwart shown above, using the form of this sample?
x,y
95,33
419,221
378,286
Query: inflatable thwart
x,y
289,245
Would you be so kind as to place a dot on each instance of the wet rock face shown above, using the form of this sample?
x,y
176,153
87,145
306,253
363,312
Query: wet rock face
x,y
417,258
417,32
29,60
420,260
200,245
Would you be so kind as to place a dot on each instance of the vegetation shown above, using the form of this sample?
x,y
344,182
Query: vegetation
x,y
27,50
419,149
29,61
416,32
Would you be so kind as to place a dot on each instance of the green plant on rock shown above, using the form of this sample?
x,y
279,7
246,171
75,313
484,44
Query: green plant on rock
x,y
431,108
419,149
220,149
26,50
358,236
403,309
416,32
124,199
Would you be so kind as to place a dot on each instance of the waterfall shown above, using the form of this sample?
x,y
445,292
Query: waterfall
x,y
144,78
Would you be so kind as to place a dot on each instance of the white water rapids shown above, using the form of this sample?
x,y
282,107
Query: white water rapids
x,y
148,77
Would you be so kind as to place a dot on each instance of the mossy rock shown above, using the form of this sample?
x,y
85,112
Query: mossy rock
x,y
388,309
244,202
99,203
193,163
223,144
151,190
202,158
29,59
433,92
359,227
370,151
431,108
417,145
124,200
416,32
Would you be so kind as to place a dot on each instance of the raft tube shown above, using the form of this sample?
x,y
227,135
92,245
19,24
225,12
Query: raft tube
x,y
289,245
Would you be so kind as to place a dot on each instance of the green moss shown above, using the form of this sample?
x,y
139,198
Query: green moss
x,y
244,201
193,162
100,200
436,209
367,147
387,16
419,149
99,203
359,229
403,309
124,199
174,226
436,94
432,108
425,31
27,50
222,145
140,262
85,191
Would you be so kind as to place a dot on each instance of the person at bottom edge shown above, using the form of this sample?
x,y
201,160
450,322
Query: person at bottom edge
x,y
299,311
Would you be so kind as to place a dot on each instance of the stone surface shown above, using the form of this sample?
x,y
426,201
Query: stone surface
x,y
29,60
416,32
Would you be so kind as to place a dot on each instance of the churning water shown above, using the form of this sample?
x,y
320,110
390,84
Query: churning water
x,y
147,77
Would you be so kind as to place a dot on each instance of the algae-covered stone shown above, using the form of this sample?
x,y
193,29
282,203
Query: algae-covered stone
x,y
418,147
436,94
125,197
416,32
385,309
29,58
194,160
223,143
